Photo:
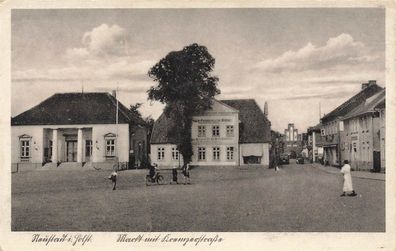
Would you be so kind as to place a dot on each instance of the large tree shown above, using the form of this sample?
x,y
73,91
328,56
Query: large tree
x,y
186,87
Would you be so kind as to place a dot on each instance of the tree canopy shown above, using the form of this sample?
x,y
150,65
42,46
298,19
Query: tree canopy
x,y
186,87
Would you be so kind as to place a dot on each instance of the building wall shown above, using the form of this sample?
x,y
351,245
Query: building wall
x,y
331,137
138,145
265,152
98,141
382,137
167,161
222,117
363,137
38,134
36,143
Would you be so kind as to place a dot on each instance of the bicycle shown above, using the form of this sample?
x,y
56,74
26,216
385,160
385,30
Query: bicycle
x,y
158,178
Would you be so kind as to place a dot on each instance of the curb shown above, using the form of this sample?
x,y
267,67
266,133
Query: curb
x,y
353,175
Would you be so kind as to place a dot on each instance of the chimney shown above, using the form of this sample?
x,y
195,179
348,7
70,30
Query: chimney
x,y
364,85
372,82
114,93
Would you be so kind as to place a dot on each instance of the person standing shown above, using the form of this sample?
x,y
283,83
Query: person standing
x,y
186,173
113,178
174,175
348,188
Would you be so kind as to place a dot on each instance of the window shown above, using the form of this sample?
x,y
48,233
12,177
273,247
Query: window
x,y
88,148
201,153
175,153
215,131
110,147
322,132
161,153
25,149
201,131
341,126
230,153
110,143
230,131
216,153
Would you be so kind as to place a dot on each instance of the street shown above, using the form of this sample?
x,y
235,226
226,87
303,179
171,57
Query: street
x,y
296,198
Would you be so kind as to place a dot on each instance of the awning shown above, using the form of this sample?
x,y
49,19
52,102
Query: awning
x,y
252,150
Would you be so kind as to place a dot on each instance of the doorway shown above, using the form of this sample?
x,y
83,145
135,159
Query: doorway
x,y
71,151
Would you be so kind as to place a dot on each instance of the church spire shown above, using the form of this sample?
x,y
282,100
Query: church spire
x,y
266,109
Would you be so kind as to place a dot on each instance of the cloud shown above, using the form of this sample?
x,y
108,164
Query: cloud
x,y
340,50
101,41
104,56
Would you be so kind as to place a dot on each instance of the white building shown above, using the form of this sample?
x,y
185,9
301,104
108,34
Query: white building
x,y
232,132
73,128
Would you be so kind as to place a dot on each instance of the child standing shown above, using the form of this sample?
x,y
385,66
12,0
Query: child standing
x,y
113,178
174,175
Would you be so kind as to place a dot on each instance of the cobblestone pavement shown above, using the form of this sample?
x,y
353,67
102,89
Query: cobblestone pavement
x,y
220,199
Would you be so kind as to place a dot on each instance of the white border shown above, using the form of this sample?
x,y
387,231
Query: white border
x,y
233,241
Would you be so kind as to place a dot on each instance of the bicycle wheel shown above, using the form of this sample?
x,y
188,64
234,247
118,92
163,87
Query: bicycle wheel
x,y
148,180
160,180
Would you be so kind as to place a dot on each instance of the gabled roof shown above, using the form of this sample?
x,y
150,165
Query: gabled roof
x,y
352,103
254,127
373,102
76,108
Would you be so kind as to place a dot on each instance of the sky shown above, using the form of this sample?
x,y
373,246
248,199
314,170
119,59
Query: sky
x,y
295,59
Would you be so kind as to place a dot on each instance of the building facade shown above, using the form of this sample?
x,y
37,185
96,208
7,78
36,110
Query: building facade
x,y
363,143
74,129
293,141
332,124
314,144
222,135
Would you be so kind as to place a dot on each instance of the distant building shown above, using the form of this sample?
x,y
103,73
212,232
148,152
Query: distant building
x,y
291,133
315,144
232,132
332,124
292,140
77,129
363,140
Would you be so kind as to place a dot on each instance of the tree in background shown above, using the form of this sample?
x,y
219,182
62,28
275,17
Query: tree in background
x,y
134,110
186,87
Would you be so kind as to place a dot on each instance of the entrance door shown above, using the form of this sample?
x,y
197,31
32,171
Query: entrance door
x,y
71,149
377,161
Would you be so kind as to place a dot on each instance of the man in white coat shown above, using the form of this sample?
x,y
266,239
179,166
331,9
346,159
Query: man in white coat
x,y
346,171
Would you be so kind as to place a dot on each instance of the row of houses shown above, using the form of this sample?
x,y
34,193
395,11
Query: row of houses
x,y
353,131
96,130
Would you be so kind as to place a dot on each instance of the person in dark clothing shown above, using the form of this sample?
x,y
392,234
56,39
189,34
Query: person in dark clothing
x,y
174,175
113,178
152,171
186,173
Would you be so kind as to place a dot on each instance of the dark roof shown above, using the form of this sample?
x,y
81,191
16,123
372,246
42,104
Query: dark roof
x,y
315,128
352,103
370,104
76,108
254,127
159,135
